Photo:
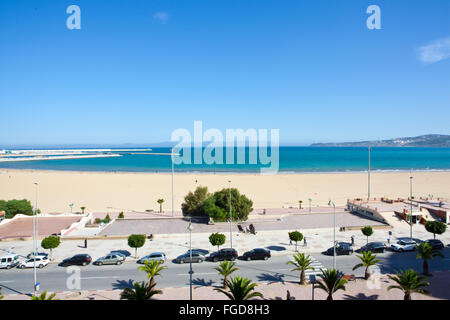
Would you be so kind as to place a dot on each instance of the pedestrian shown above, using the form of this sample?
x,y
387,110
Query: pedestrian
x,y
85,243
353,240
304,242
290,241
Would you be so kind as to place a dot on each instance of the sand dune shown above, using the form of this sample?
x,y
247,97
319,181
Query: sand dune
x,y
139,191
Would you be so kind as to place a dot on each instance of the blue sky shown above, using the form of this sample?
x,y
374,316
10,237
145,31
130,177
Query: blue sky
x,y
137,70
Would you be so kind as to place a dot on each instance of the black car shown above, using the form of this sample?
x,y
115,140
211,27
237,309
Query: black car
x,y
79,259
374,247
435,243
256,254
342,248
223,254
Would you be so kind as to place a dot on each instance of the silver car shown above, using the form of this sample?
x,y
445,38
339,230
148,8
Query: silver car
x,y
109,259
158,256
185,258
404,245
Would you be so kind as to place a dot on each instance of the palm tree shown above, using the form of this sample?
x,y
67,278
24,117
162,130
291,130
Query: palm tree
x,y
43,296
426,252
141,291
300,204
160,201
409,282
153,269
302,263
82,209
240,289
225,269
331,282
367,260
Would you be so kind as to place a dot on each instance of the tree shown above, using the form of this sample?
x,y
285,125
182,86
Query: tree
x,y
43,296
107,219
435,227
295,236
302,263
1,296
160,201
51,243
367,260
300,204
367,231
409,282
140,291
82,209
217,239
13,207
193,202
240,289
241,206
426,252
136,241
331,282
121,215
225,269
152,269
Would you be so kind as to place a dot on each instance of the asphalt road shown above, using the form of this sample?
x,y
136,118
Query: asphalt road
x,y
55,278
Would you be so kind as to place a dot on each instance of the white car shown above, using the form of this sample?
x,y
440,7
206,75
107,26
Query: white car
x,y
41,262
404,245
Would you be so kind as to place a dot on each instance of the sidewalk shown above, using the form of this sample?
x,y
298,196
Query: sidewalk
x,y
359,289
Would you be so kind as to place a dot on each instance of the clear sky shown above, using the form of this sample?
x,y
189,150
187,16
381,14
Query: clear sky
x,y
137,70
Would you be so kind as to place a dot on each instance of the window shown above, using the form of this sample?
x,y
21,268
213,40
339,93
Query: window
x,y
3,260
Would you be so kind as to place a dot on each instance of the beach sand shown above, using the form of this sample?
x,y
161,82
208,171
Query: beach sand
x,y
105,191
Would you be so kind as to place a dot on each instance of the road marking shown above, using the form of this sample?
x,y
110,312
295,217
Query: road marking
x,y
100,277
183,274
8,281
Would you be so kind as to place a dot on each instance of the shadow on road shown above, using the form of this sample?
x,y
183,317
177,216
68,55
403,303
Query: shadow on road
x,y
361,296
271,278
276,248
2,286
122,284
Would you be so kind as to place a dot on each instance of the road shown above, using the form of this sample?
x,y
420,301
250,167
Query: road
x,y
55,278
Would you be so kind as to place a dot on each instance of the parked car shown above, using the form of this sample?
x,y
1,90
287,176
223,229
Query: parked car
x,y
110,259
223,254
203,252
9,261
342,248
158,256
120,253
41,261
38,254
256,254
78,259
374,247
435,243
404,245
185,258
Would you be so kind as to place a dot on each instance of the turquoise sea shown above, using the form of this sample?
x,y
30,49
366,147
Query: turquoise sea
x,y
291,160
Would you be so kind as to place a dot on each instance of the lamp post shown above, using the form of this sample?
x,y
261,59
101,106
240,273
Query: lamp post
x,y
35,239
231,217
330,203
368,177
171,156
309,204
313,281
410,215
190,228
71,205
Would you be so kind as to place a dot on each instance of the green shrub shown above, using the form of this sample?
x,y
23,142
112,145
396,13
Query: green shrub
x,y
217,239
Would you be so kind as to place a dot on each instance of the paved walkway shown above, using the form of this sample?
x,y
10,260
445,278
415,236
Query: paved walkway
x,y
355,290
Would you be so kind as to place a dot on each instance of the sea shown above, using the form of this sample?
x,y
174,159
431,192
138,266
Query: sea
x,y
291,160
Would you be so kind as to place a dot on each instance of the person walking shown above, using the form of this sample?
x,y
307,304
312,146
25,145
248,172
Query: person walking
x,y
304,242
85,243
353,240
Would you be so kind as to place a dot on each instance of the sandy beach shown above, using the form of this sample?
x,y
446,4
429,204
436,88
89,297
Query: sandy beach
x,y
104,191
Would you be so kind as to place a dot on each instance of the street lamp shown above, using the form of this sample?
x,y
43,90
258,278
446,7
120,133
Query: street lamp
x,y
309,204
313,281
368,177
231,217
330,203
410,216
71,205
35,238
190,228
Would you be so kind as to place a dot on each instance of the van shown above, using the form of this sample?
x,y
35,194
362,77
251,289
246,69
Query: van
x,y
9,260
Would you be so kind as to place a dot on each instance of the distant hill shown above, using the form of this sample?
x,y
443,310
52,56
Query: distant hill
x,y
429,140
